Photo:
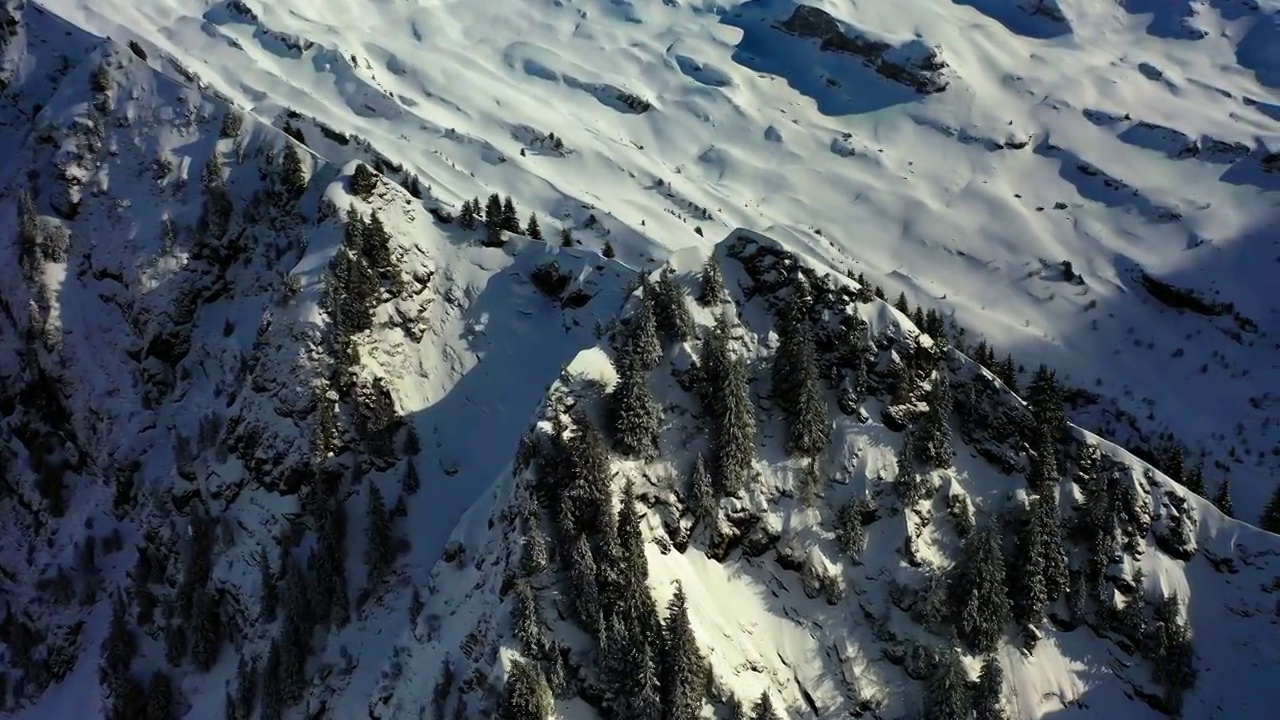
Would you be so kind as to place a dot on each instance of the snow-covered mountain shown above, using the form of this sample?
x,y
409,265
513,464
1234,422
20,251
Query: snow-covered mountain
x,y
267,388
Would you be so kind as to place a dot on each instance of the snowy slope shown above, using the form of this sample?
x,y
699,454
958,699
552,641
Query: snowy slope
x,y
1124,138
155,372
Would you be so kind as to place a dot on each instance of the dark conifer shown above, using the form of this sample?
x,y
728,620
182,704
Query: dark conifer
x,y
712,290
980,601
674,323
510,220
1040,574
526,695
532,229
467,216
379,549
633,414
702,499
850,535
1270,519
1222,499
683,673
763,709
1172,652
947,692
529,629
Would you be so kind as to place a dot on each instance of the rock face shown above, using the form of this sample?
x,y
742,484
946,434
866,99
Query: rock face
x,y
914,64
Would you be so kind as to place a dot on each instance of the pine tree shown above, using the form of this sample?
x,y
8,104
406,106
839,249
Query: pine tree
x,y
411,483
1193,480
1172,652
115,674
702,499
272,695
582,580
931,436
735,436
763,709
352,292
493,213
850,535
467,216
532,229
535,558
673,321
712,290
363,181
634,416
901,304
640,340
608,252
566,237
988,702
325,440
529,629
1040,575
683,680
641,697
329,560
795,378
526,695
1270,519
1043,475
980,602
295,634
1007,372
160,697
376,246
1044,395
379,550
246,688
1222,499
510,220
947,693
29,257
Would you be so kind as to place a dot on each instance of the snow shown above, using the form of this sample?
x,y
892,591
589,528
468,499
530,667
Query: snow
x,y
951,198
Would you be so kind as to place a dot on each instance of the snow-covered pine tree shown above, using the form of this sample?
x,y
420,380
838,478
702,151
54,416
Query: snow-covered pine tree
x,y
411,483
640,341
493,213
1040,574
988,693
1193,480
535,558
796,386
1043,475
850,535
683,674
330,562
947,692
1270,518
582,581
763,709
634,416
979,598
712,289
467,216
1172,652
124,694
674,323
379,542
931,436
735,428
1222,499
526,695
510,218
702,499
160,698
852,357
529,629
532,229
585,503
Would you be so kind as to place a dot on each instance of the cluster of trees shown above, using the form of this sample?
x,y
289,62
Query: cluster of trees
x,y
356,276
499,216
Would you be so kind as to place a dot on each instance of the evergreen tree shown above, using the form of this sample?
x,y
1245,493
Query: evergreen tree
x,y
608,252
160,700
566,237
529,629
638,607
295,634
735,429
980,602
931,436
585,504
272,695
1172,652
795,378
901,305
352,292
526,695
946,693
582,581
763,709
671,314
634,416
1270,519
206,631
532,229
376,246
641,698
493,213
379,550
712,290
1193,480
467,216
911,485
1222,499
115,674
702,499
411,483
683,675
1040,575
535,558
510,218
246,688
1045,398
1007,372
849,532
852,357
329,559
1043,475
29,257
363,181
641,341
